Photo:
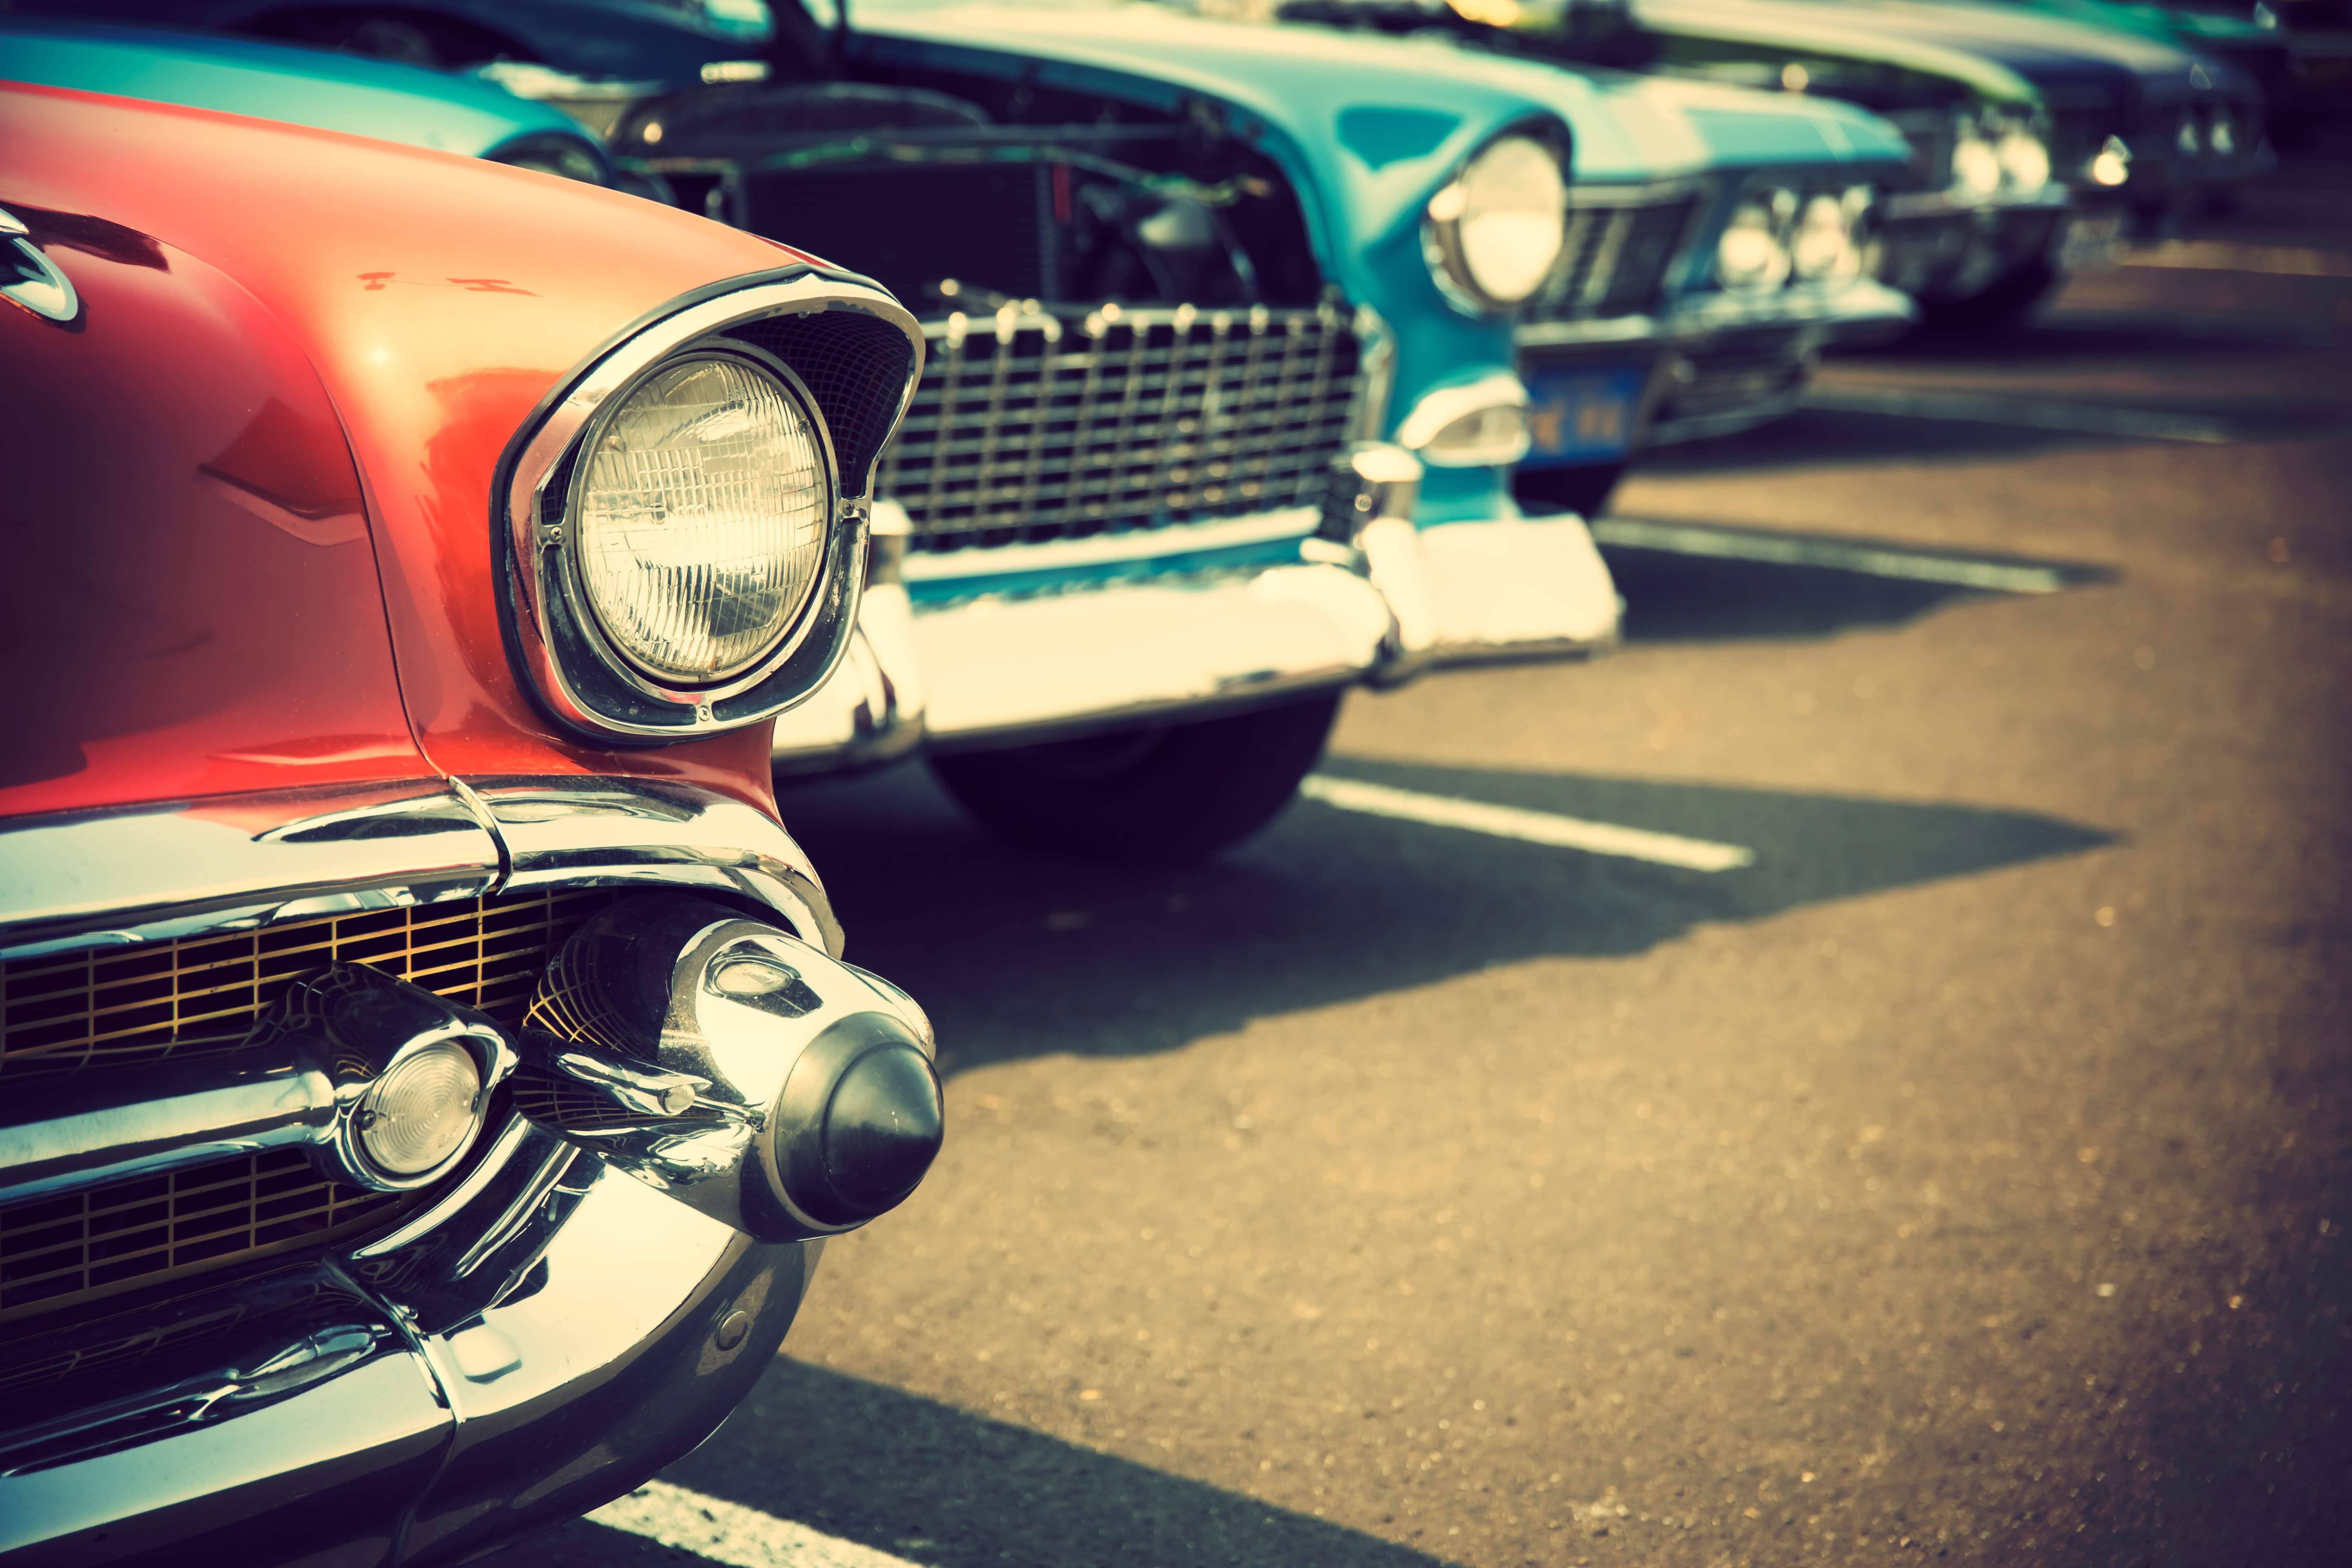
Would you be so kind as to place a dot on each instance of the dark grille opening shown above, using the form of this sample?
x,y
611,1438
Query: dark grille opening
x,y
1030,426
855,365
1614,260
118,1007
889,220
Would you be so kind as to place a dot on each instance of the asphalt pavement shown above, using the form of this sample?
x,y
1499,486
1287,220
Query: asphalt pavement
x,y
1950,1163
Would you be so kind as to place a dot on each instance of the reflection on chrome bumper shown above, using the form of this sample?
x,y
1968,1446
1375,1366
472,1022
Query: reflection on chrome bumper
x,y
557,1333
1850,312
871,710
1738,363
1941,250
1019,641
1520,587
1012,662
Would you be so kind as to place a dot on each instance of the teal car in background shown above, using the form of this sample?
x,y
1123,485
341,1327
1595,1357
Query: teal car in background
x,y
1241,339
389,101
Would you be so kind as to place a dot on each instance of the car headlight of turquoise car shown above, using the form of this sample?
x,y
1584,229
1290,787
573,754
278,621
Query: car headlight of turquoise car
x,y
1494,233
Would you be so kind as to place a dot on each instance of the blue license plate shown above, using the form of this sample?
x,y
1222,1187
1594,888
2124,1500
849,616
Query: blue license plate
x,y
1582,415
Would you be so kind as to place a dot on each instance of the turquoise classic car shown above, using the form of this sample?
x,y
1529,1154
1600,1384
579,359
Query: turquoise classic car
x,y
1238,339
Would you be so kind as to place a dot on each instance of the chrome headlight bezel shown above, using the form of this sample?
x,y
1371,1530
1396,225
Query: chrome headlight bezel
x,y
571,665
1444,246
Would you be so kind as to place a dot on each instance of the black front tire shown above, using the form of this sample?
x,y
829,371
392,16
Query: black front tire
x,y
2000,307
1163,795
1584,489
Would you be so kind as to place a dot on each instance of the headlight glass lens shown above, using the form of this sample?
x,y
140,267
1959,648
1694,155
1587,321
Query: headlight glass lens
x,y
1822,248
1976,164
550,156
1749,257
702,519
1508,210
422,1111
2024,160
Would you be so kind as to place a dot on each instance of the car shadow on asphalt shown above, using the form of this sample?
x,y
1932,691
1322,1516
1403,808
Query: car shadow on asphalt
x,y
1675,597
1836,437
1019,954
933,1484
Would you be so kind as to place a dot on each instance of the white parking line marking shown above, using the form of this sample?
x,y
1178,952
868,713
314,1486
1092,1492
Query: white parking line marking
x,y
1988,408
728,1532
1790,550
1531,826
2224,255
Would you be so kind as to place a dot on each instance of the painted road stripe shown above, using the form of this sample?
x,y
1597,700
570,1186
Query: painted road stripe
x,y
1532,827
1844,555
1988,408
728,1532
2223,256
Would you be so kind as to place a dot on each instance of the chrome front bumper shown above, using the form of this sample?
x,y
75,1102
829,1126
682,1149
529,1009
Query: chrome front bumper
x,y
1939,249
1735,363
556,1334
543,1332
982,647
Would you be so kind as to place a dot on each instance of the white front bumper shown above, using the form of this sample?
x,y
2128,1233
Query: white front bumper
x,y
1018,663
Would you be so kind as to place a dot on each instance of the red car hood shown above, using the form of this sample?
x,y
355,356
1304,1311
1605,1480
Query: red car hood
x,y
205,588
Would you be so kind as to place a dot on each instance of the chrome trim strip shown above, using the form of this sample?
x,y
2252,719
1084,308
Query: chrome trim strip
x,y
50,295
1444,405
1859,302
510,1139
1597,329
296,1079
135,874
1140,544
1646,193
587,832
146,873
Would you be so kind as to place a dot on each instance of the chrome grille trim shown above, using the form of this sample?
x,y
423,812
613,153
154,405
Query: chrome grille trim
x,y
1619,245
113,1008
1043,423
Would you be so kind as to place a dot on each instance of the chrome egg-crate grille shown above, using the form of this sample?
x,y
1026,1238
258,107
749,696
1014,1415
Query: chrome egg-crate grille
x,y
1032,425
1614,257
112,1007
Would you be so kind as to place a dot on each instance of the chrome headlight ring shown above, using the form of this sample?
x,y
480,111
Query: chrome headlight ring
x,y
845,356
1493,234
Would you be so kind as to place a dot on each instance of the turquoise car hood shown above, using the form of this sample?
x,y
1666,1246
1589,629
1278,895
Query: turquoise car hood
x,y
391,103
1745,129
1373,125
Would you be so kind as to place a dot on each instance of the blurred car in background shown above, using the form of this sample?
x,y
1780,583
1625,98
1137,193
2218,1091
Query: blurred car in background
x,y
428,1063
1177,415
351,93
1140,531
2007,112
1729,227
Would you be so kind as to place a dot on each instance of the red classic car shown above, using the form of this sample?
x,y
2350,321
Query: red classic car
x,y
429,1071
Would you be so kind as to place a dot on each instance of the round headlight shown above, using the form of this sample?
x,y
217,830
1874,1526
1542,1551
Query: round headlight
x,y
1822,247
701,520
560,156
1749,257
1975,166
2024,160
422,1111
1496,230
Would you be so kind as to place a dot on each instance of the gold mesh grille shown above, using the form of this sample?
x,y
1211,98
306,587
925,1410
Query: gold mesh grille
x,y
120,1007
